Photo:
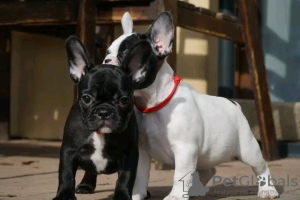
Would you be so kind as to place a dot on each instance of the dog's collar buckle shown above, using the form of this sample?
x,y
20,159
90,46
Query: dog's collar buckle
x,y
164,102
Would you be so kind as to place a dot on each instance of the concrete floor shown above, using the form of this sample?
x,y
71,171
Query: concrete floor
x,y
28,170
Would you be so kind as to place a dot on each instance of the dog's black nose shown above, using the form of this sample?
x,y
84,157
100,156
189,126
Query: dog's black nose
x,y
107,61
103,113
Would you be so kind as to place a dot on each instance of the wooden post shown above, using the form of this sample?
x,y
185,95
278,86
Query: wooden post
x,y
252,38
86,24
243,82
171,5
86,27
4,84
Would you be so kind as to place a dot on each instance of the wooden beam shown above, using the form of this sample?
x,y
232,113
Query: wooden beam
x,y
200,21
139,14
43,12
251,33
4,84
230,18
86,25
171,6
35,13
53,31
124,1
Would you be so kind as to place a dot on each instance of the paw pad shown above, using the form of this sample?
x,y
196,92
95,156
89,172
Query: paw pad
x,y
261,181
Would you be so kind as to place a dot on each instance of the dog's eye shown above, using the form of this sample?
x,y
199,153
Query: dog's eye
x,y
124,100
86,99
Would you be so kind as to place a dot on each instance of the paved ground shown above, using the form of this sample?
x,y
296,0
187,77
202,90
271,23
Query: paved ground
x,y
28,171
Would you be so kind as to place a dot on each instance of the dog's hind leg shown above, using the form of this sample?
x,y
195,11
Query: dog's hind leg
x,y
250,154
206,175
88,184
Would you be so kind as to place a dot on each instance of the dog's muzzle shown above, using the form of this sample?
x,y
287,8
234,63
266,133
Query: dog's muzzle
x,y
111,60
102,113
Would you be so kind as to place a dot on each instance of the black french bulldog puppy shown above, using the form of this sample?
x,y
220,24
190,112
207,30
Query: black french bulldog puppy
x,y
101,133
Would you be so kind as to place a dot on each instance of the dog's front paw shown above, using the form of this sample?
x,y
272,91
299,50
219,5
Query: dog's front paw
x,y
268,192
171,197
65,197
140,196
84,189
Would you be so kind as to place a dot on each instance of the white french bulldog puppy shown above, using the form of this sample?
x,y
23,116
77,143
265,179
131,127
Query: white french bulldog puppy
x,y
178,125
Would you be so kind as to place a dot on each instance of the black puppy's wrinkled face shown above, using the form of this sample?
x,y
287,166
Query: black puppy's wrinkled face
x,y
105,99
105,91
159,36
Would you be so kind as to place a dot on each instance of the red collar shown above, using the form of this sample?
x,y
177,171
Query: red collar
x,y
164,102
98,133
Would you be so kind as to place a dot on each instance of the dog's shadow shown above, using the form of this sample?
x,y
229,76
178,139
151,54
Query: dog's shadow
x,y
222,191
214,193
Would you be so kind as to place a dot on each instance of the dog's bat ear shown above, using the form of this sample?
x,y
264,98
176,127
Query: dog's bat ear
x,y
161,34
127,23
78,58
141,65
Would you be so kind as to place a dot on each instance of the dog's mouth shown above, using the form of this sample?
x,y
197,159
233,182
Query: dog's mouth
x,y
105,128
105,122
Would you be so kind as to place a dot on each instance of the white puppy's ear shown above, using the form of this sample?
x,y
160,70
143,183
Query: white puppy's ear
x,y
141,65
127,23
161,34
78,58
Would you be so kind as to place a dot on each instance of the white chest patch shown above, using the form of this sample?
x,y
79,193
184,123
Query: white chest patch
x,y
97,157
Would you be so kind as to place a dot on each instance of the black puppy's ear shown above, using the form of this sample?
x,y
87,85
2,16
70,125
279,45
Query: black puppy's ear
x,y
78,58
161,34
141,65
